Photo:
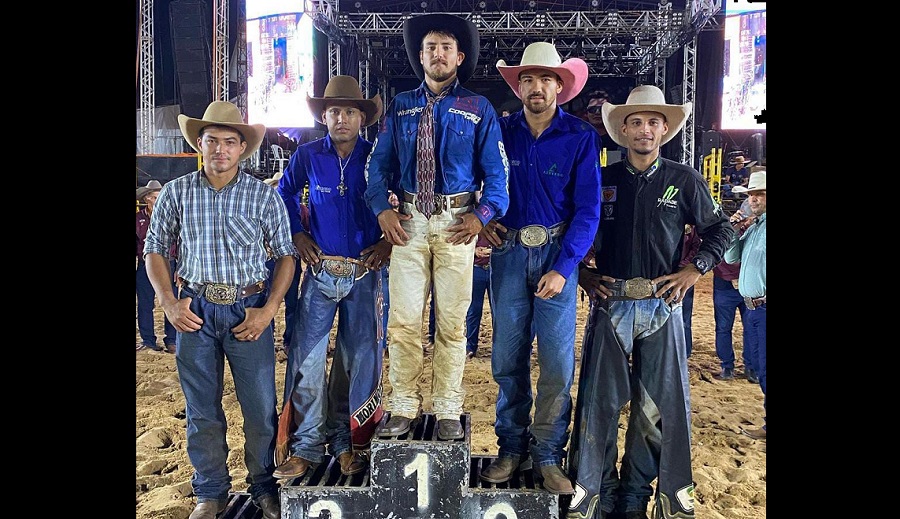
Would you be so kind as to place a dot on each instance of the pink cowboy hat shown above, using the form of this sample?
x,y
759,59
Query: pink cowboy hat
x,y
543,55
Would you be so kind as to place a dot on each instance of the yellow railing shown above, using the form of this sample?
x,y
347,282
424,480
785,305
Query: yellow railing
x,y
712,172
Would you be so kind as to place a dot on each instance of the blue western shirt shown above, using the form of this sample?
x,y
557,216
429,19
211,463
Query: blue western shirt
x,y
554,178
750,250
468,150
341,225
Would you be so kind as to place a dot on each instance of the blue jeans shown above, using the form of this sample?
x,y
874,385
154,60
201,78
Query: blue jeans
x,y
481,283
650,334
145,304
687,309
342,407
516,271
201,361
756,323
726,299
290,302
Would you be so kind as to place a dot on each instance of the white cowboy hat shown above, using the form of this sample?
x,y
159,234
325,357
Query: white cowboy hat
x,y
757,183
222,113
542,55
142,191
341,89
274,180
644,98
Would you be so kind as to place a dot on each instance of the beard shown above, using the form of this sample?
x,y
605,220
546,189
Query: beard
x,y
537,106
440,76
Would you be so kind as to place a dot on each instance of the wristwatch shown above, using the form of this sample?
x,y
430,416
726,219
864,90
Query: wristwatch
x,y
701,265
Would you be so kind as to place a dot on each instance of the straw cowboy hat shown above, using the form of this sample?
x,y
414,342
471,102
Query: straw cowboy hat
x,y
142,191
542,55
739,159
644,98
222,113
345,88
274,180
469,42
757,182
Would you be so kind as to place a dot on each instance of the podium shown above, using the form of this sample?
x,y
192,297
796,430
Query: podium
x,y
416,476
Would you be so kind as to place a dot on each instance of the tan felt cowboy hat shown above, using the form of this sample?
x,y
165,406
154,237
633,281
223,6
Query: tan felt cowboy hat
x,y
345,88
757,182
644,98
542,55
142,191
222,113
739,159
467,37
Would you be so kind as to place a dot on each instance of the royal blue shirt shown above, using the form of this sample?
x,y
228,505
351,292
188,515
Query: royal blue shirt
x,y
469,152
553,179
341,224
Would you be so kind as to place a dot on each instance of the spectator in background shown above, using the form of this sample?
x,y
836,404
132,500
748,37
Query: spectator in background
x,y
594,115
146,297
750,249
481,284
689,249
736,174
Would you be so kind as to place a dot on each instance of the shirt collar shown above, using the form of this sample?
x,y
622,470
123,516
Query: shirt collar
x,y
651,170
423,89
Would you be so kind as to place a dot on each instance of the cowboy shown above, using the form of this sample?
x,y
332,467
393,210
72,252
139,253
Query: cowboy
x,y
594,116
737,174
222,221
437,145
554,208
146,197
634,345
750,250
345,254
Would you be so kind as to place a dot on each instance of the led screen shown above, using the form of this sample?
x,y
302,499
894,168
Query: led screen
x,y
279,63
744,78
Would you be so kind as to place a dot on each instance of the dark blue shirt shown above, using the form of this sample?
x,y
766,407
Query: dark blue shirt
x,y
341,225
468,150
554,178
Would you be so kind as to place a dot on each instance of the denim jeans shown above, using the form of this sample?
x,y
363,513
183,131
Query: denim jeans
x,y
290,302
650,333
481,284
756,324
727,299
687,312
516,270
201,361
145,303
428,259
345,405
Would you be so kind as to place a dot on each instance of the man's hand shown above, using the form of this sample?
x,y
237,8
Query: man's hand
x,y
591,281
307,247
677,284
377,255
180,315
254,324
550,284
490,232
466,230
389,221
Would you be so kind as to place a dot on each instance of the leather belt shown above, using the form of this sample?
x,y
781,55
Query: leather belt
x,y
630,289
536,235
444,202
220,294
754,302
340,266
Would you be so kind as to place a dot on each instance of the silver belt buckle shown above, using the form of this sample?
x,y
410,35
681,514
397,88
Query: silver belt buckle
x,y
220,294
338,269
639,288
534,235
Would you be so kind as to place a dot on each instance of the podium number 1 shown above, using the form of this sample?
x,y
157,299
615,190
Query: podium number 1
x,y
419,465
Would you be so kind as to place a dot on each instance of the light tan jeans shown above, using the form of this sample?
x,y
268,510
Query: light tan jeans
x,y
425,259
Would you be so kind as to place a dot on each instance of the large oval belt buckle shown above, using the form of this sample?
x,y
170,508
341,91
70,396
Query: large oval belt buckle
x,y
638,288
534,235
338,269
220,294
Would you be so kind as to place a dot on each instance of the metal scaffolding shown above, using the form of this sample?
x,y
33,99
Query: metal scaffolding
x,y
147,129
220,50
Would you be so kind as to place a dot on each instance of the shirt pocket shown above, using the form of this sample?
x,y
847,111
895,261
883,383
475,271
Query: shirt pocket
x,y
242,230
460,138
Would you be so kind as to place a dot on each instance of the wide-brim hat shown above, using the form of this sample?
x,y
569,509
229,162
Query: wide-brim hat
x,y
644,98
153,185
757,182
222,113
746,163
469,41
542,55
345,89
274,180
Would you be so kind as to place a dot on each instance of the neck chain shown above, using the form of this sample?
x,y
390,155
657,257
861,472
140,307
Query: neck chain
x,y
341,187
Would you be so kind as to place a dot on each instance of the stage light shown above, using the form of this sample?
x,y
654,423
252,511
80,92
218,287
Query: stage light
x,y
482,4
424,5
595,4
359,4
532,4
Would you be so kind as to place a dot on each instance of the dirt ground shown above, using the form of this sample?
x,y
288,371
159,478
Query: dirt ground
x,y
729,468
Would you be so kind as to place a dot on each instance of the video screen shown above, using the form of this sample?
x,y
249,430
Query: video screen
x,y
744,81
279,63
